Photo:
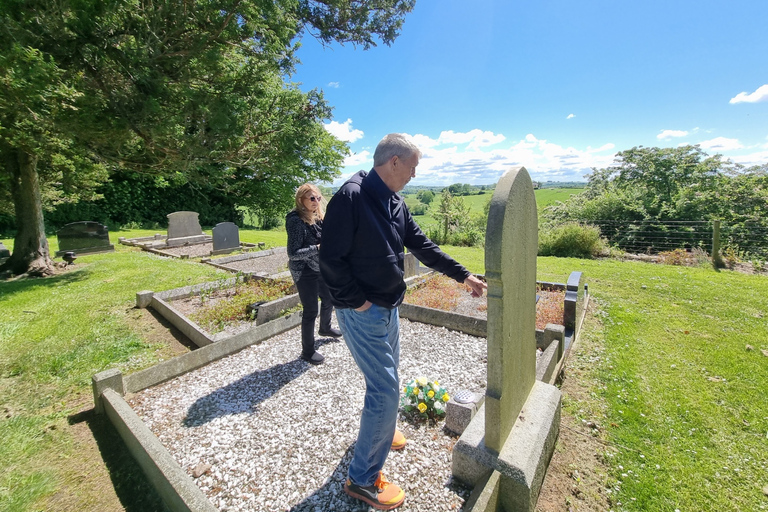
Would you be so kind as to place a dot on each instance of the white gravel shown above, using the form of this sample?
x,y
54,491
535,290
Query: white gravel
x,y
274,433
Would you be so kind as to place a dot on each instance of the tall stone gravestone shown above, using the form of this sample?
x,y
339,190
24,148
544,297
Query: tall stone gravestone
x,y
505,450
184,229
226,237
4,252
85,237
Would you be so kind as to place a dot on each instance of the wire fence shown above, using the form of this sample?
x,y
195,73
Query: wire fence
x,y
748,240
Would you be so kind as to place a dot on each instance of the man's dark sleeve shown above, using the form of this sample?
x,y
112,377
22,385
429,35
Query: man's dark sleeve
x,y
429,253
335,246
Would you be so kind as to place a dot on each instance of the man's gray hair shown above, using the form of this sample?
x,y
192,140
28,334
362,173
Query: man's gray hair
x,y
394,144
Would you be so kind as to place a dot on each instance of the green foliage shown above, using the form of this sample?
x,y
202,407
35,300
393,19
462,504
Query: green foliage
x,y
671,373
230,304
419,209
194,91
680,184
140,200
425,196
571,240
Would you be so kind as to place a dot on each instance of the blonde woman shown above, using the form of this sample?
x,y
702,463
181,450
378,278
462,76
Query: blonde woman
x,y
304,225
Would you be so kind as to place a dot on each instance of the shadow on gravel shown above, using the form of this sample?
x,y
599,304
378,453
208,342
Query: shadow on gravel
x,y
244,395
331,494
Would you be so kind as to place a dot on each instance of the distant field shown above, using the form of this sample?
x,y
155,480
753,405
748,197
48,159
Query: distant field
x,y
544,198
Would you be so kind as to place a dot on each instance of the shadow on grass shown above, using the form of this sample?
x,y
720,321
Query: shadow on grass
x,y
172,330
133,489
10,287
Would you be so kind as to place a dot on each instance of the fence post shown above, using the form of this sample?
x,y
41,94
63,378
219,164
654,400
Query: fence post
x,y
717,260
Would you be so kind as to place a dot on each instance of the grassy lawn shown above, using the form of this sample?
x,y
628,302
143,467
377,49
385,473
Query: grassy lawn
x,y
544,198
683,414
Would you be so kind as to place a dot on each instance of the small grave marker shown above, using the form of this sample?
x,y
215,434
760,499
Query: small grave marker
x,y
226,237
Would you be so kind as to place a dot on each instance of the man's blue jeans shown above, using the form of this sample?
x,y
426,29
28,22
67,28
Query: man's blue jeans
x,y
373,338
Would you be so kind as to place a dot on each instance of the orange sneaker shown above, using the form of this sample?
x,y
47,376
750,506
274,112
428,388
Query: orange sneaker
x,y
398,442
382,495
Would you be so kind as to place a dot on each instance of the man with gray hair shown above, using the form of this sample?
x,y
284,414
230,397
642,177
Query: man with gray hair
x,y
367,226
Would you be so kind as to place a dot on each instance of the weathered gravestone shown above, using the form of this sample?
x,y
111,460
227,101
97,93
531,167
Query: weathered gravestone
x,y
505,450
4,252
83,238
184,228
226,237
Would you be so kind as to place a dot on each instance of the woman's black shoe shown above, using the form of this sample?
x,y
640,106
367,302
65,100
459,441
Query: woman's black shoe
x,y
334,333
315,358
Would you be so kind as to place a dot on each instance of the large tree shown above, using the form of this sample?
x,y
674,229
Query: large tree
x,y
194,89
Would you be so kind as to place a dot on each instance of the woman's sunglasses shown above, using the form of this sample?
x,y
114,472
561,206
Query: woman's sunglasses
x,y
314,198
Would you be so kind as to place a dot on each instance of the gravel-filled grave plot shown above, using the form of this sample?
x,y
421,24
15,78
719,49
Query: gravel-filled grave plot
x,y
270,264
271,432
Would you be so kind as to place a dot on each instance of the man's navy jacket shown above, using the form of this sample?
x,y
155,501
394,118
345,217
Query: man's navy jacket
x,y
365,228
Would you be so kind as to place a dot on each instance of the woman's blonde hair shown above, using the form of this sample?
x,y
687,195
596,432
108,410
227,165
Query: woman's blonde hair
x,y
306,215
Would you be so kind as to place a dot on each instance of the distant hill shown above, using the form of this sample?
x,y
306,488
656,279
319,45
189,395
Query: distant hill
x,y
563,184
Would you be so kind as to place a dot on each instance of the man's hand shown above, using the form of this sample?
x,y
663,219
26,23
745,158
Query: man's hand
x,y
476,285
366,305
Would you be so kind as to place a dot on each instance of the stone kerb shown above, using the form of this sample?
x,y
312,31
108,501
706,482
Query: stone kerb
x,y
172,483
162,302
223,263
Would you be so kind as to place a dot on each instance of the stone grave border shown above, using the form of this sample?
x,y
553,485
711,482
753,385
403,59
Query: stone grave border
x,y
554,355
221,263
155,244
162,303
176,488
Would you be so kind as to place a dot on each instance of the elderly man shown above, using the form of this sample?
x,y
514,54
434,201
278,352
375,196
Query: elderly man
x,y
366,228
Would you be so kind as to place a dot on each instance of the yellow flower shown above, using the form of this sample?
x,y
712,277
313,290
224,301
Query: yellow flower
x,y
405,390
436,383
430,393
415,391
446,397
422,407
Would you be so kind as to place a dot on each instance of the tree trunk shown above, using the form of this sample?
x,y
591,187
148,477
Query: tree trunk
x,y
30,247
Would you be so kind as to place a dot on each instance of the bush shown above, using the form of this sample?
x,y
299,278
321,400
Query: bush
x,y
419,209
571,240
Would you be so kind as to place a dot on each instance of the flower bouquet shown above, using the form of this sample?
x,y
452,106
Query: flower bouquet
x,y
424,398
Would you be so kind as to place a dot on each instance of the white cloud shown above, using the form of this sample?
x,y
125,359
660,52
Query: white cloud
x,y
334,85
343,131
761,94
544,160
668,134
721,144
355,159
571,116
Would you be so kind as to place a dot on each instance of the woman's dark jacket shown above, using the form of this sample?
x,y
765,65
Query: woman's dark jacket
x,y
303,239
361,257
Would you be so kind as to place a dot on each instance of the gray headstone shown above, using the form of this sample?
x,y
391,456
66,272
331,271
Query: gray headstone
x,y
226,235
183,224
512,436
84,238
4,252
510,270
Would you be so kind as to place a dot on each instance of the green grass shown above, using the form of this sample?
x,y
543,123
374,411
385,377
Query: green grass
x,y
544,198
684,421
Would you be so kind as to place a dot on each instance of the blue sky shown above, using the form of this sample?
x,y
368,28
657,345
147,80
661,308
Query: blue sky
x,y
557,86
